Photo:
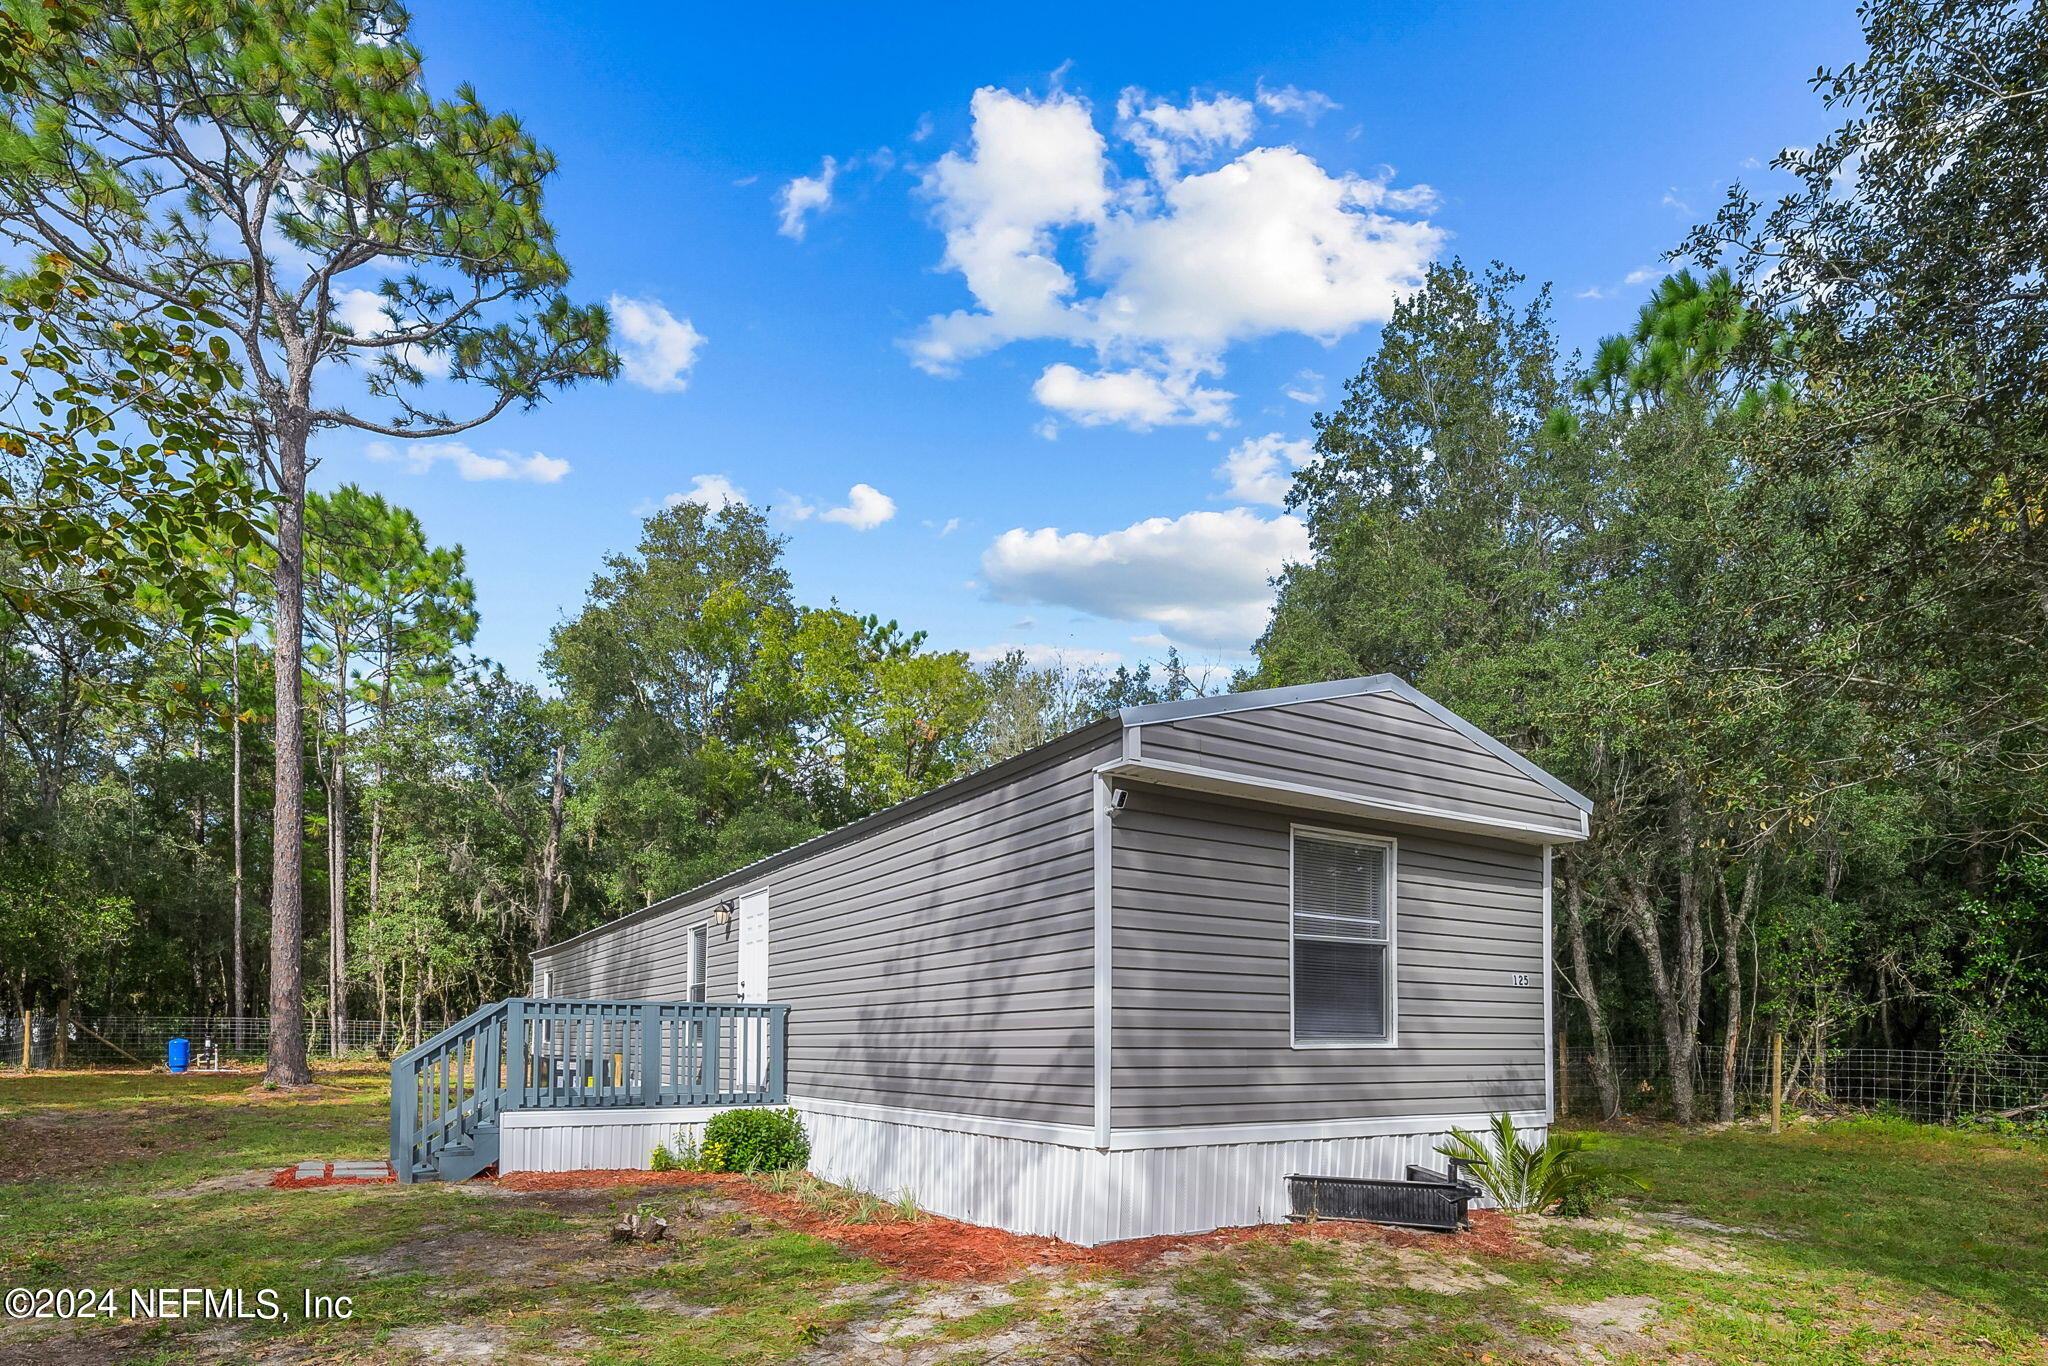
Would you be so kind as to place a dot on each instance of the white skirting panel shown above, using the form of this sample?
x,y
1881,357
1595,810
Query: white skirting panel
x,y
1026,1185
1022,1185
1086,1195
592,1140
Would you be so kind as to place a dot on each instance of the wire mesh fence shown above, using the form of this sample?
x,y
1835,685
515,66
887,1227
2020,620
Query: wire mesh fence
x,y
40,1040
1914,1083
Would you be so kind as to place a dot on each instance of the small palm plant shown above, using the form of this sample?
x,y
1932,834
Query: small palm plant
x,y
1529,1177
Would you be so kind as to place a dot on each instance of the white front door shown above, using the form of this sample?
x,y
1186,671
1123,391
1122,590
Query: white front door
x,y
753,954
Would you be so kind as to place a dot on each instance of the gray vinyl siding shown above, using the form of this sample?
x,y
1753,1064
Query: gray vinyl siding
x,y
1377,746
646,958
1201,1016
946,962
941,960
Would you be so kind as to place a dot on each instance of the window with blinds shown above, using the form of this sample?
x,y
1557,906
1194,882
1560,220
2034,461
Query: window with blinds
x,y
1343,932
700,950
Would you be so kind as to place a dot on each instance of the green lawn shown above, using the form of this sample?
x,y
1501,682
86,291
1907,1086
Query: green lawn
x,y
1849,1243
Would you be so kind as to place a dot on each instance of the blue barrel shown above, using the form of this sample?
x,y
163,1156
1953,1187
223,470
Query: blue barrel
x,y
179,1054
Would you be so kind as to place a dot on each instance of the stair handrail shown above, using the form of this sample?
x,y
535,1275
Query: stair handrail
x,y
447,1035
408,1133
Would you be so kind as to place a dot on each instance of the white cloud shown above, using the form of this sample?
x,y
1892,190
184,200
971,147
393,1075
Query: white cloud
x,y
1202,578
1036,165
1305,387
803,196
1178,266
361,311
1134,398
1260,469
1594,292
714,491
421,456
1046,656
656,347
1167,135
1642,275
1309,104
867,507
945,528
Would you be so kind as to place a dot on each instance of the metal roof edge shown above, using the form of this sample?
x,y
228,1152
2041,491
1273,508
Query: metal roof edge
x,y
1224,703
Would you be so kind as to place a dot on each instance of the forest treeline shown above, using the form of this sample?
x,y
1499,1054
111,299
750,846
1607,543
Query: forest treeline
x,y
1766,576
694,717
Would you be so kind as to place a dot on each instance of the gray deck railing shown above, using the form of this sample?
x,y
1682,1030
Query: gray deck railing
x,y
538,1054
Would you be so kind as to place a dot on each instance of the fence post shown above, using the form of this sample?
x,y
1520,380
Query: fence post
x,y
1777,1081
28,1033
1564,1077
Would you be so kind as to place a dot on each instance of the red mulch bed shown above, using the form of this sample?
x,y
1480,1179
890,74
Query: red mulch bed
x,y
948,1250
290,1180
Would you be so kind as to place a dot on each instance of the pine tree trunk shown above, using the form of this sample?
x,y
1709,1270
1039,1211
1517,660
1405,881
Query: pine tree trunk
x,y
377,798
544,919
240,989
337,868
286,1064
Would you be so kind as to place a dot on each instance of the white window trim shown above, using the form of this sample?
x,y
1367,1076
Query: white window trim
x,y
693,966
1392,846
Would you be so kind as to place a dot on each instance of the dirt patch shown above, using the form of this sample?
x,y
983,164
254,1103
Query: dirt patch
x,y
71,1346
1711,1260
471,1342
669,1302
60,1145
459,1261
1437,1274
257,1179
948,1250
1693,1223
1615,1315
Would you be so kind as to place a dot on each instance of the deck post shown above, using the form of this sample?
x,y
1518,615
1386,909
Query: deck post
x,y
650,1054
778,1045
404,1118
516,1070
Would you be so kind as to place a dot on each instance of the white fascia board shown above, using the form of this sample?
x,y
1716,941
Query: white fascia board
x,y
1303,797
1224,703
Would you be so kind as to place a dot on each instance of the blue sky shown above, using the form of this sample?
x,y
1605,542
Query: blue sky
x,y
1154,237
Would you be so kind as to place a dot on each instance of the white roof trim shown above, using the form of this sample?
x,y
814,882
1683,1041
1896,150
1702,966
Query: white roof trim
x,y
1302,797
1225,703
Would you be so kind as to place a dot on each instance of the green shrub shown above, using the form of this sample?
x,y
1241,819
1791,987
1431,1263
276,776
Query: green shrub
x,y
754,1141
663,1160
1531,1178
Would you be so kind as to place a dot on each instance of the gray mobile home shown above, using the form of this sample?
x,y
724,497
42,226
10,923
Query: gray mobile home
x,y
1120,985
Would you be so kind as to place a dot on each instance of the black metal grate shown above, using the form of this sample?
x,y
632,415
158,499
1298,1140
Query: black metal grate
x,y
1438,1203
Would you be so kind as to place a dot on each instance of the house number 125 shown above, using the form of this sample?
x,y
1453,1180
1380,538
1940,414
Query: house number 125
x,y
1523,979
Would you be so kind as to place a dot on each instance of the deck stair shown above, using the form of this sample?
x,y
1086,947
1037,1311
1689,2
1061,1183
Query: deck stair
x,y
449,1096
